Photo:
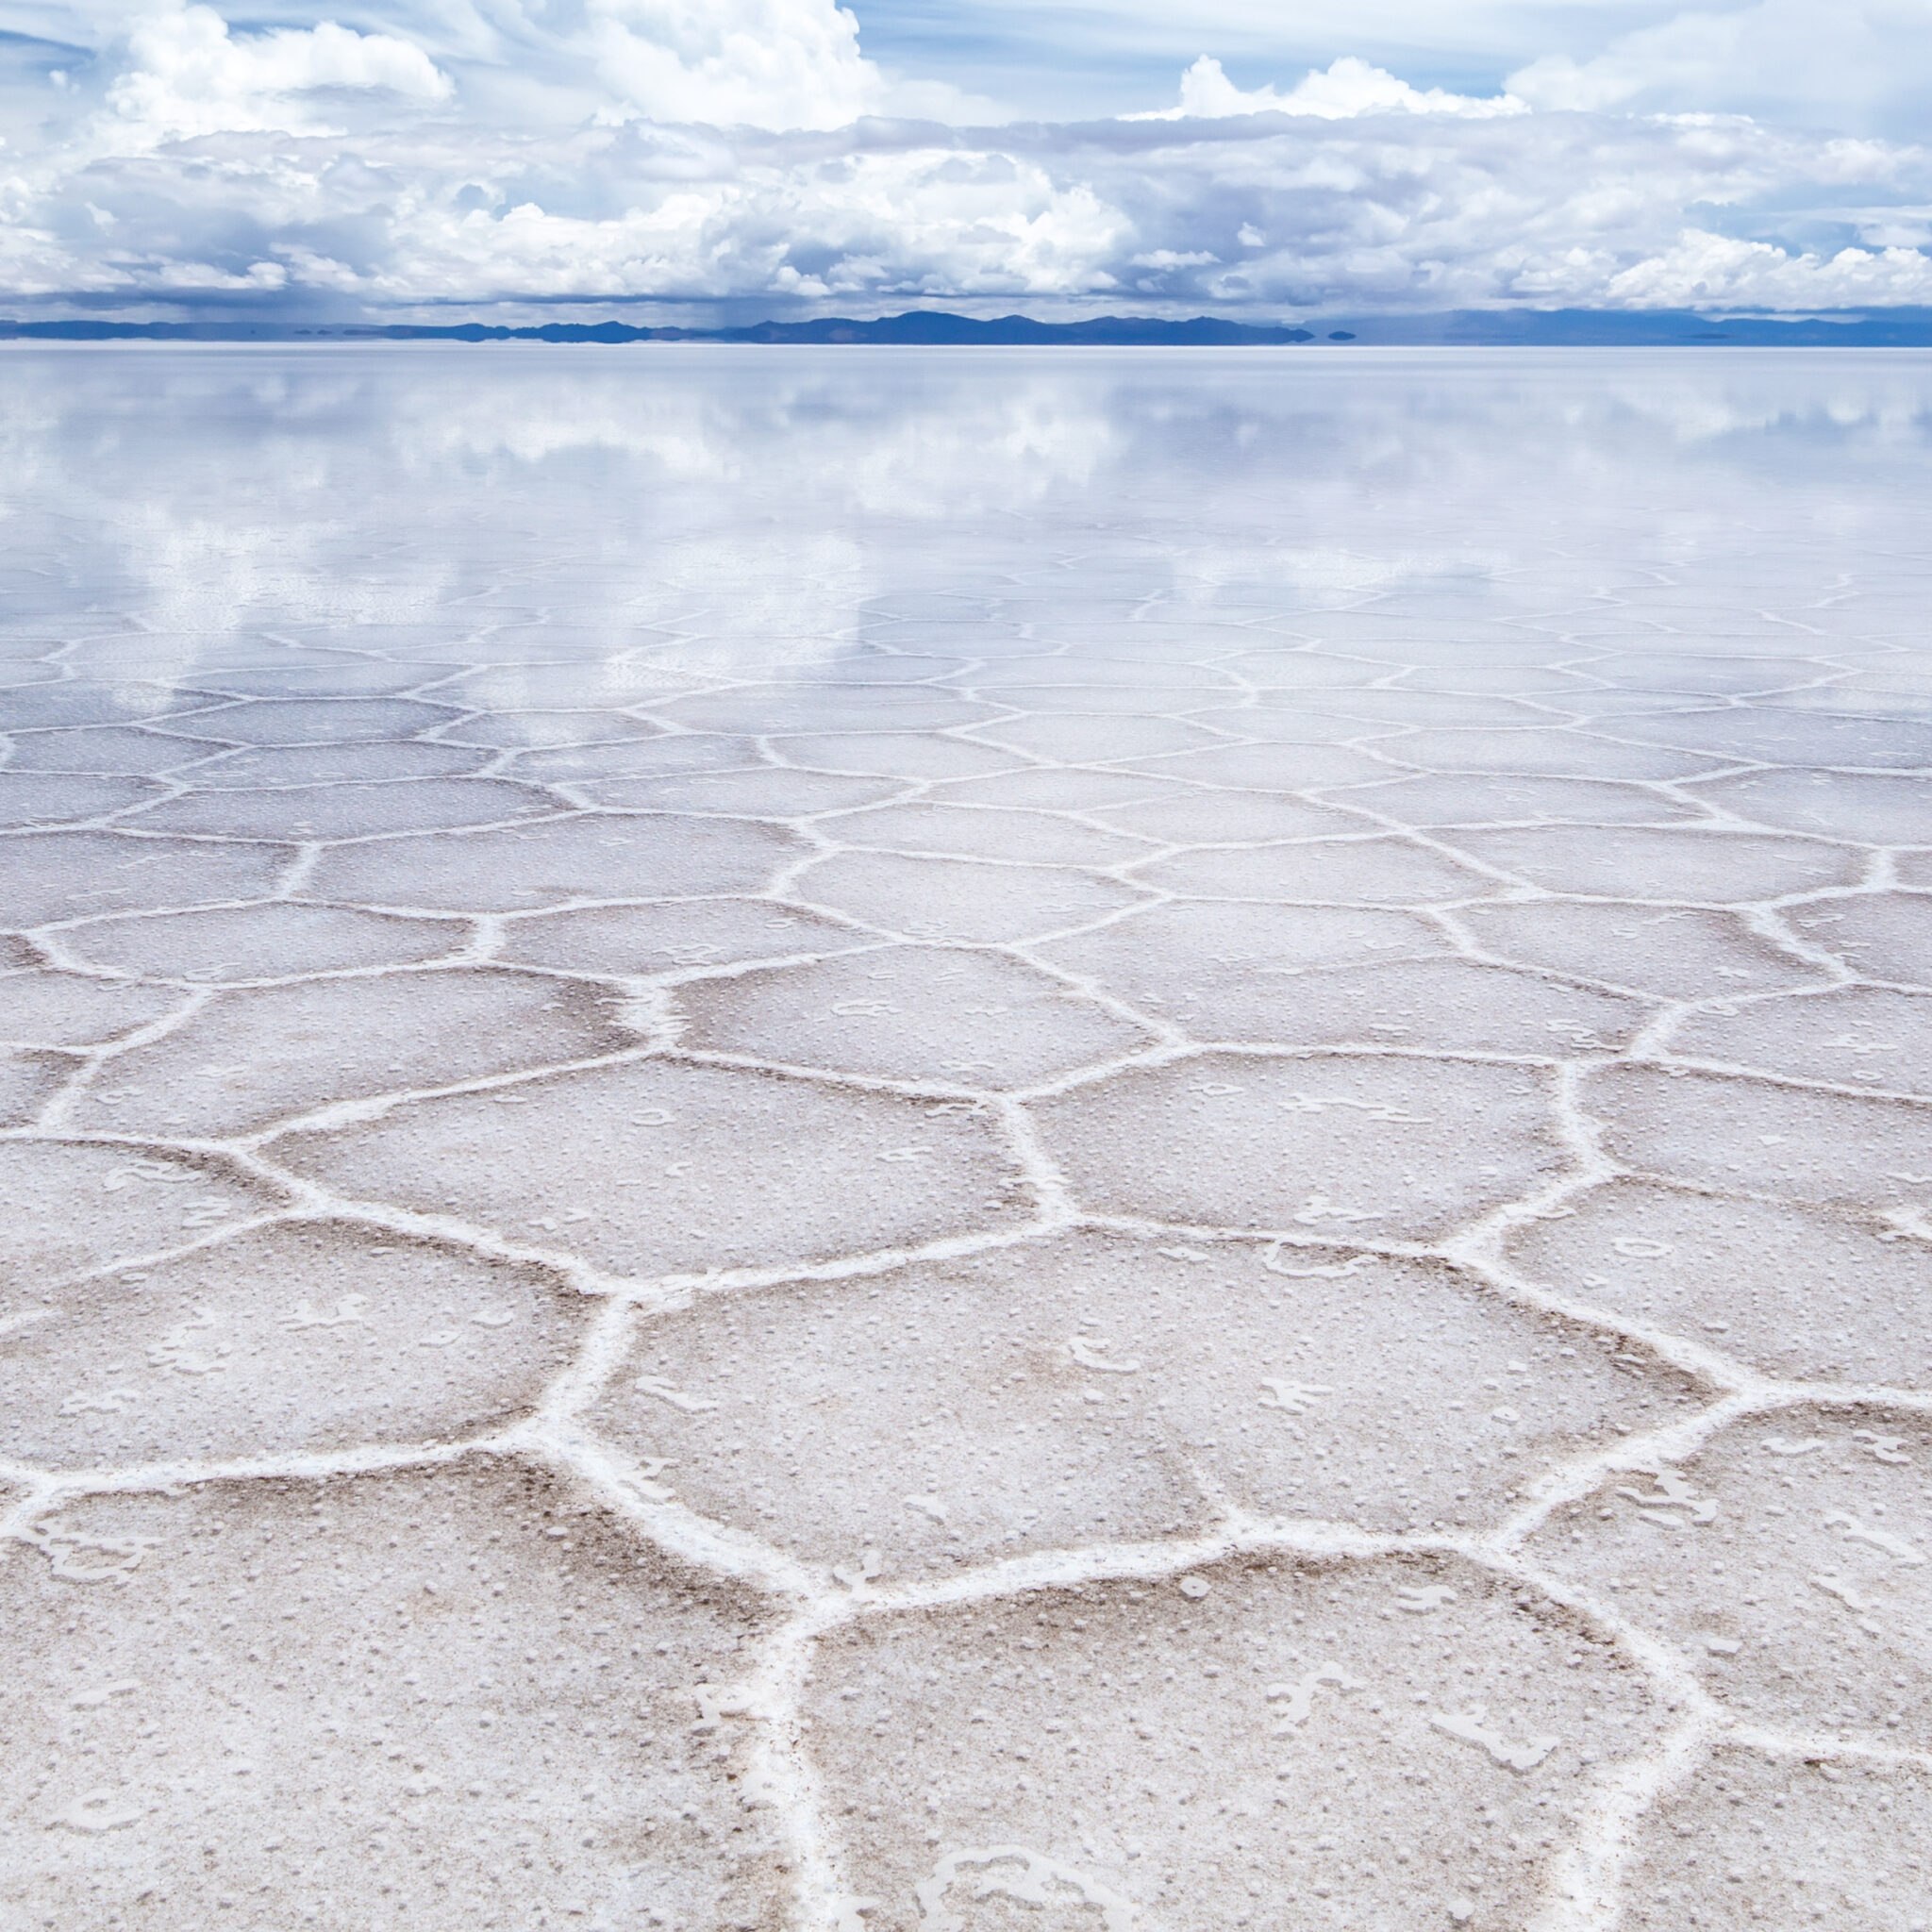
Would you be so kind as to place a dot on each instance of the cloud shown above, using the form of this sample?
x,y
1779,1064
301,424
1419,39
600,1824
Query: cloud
x,y
721,158
1857,62
766,63
913,221
1705,271
188,76
1347,88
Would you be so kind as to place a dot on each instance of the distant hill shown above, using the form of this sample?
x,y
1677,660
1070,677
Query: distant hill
x,y
932,327
1502,327
920,328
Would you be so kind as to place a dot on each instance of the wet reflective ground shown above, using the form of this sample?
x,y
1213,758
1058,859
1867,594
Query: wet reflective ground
x,y
954,1142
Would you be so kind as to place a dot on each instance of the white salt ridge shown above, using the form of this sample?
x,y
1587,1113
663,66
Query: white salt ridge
x,y
1185,1208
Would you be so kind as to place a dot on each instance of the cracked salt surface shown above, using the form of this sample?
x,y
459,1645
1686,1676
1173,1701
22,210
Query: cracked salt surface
x,y
1021,1144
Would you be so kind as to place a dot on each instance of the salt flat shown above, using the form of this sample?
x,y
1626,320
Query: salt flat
x,y
849,1142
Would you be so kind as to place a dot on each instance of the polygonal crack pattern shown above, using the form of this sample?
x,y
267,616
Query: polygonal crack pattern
x,y
68,1208
298,1336
250,1058
1795,1294
1094,1210
1762,1838
1399,1743
766,1171
439,1698
1789,1560
1096,1386
911,1014
1390,1146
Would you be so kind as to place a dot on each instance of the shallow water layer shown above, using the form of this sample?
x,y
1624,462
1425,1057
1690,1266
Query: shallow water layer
x,y
952,1143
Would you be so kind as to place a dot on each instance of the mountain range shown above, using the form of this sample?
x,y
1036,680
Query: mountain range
x,y
1507,328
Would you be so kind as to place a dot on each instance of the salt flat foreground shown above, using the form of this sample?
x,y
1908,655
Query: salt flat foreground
x,y
1066,1143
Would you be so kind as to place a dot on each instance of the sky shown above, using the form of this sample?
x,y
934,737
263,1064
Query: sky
x,y
725,161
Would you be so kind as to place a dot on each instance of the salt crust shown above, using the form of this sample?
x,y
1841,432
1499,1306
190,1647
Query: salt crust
x,y
1120,1235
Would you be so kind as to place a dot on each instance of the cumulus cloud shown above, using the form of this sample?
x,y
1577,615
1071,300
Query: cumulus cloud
x,y
768,63
1347,88
188,76
1705,271
911,219
693,158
